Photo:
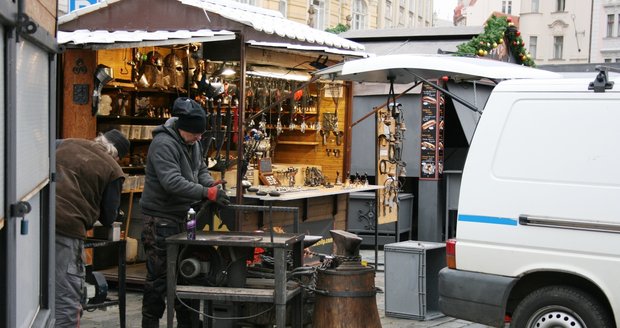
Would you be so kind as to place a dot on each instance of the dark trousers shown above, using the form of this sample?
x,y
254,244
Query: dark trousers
x,y
154,234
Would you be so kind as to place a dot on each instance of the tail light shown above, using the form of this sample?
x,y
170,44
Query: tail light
x,y
451,253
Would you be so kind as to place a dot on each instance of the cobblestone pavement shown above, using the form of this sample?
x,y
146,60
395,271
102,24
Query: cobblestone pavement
x,y
109,317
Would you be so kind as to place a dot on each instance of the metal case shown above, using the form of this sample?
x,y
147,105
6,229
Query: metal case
x,y
411,279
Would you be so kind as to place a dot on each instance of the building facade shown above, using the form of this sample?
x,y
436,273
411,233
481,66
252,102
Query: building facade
x,y
605,32
324,14
476,12
557,32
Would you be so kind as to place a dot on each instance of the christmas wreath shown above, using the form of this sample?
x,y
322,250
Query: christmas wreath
x,y
498,32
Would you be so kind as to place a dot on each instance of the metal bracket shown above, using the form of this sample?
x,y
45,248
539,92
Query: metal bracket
x,y
20,209
25,24
601,82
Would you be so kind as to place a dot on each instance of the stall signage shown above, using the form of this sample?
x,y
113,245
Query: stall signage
x,y
431,136
79,4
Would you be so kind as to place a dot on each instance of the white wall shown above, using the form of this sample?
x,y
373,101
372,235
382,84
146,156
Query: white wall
x,y
573,24
605,48
482,9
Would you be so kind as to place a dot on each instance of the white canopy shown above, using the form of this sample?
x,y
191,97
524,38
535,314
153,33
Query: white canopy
x,y
405,68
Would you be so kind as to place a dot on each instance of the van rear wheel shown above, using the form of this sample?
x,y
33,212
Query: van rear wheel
x,y
560,306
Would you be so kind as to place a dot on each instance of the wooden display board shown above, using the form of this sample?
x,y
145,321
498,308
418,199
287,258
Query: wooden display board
x,y
387,209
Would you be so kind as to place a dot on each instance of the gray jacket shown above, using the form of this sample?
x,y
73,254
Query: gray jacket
x,y
176,175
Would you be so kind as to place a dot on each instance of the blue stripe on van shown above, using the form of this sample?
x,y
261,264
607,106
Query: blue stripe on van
x,y
488,219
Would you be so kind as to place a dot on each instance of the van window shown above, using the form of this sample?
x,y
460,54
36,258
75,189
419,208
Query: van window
x,y
574,141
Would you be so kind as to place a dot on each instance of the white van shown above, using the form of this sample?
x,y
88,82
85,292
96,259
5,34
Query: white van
x,y
538,230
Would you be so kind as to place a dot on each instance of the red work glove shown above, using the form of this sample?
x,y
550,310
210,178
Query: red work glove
x,y
217,195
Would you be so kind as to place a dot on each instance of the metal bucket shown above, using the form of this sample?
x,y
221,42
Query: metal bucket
x,y
346,299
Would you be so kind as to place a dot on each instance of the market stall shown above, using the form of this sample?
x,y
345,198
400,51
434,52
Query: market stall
x,y
122,67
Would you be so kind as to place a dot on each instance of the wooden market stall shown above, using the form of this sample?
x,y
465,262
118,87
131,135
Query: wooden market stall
x,y
123,66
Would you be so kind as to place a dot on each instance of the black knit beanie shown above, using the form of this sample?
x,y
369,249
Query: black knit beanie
x,y
192,117
119,141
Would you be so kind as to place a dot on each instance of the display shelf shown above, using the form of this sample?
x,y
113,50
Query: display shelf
x,y
132,168
298,143
130,119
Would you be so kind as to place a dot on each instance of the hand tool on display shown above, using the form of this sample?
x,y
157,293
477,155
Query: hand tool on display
x,y
317,124
209,136
383,140
297,101
279,124
324,134
228,136
383,166
394,152
273,105
339,135
219,137
304,106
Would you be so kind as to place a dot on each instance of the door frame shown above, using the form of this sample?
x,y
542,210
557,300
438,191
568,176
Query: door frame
x,y
12,36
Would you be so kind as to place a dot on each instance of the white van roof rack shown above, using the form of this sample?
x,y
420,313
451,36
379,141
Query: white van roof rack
x,y
601,82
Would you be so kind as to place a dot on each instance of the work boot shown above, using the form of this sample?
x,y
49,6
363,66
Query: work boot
x,y
150,322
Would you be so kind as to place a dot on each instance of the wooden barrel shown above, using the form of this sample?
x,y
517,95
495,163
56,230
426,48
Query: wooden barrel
x,y
346,299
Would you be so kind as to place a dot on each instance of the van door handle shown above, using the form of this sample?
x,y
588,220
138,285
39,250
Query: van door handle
x,y
567,223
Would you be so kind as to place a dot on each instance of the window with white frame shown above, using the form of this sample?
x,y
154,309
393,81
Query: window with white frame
x,y
610,25
560,5
283,7
247,2
388,13
618,31
419,10
533,45
558,47
534,7
320,17
360,13
401,17
411,21
507,7
607,60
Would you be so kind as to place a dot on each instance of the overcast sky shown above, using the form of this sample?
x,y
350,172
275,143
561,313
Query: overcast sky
x,y
444,8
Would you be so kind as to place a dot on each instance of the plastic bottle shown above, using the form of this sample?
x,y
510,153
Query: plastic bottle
x,y
190,224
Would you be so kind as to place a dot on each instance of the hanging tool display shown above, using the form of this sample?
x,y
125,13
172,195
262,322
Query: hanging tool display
x,y
391,167
330,120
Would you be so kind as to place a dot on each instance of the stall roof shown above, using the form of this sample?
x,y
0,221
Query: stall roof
x,y
127,39
407,68
430,40
215,15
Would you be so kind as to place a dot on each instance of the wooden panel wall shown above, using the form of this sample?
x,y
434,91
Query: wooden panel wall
x,y
332,163
77,119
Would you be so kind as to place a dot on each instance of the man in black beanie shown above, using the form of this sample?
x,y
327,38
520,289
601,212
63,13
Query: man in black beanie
x,y
176,177
88,189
